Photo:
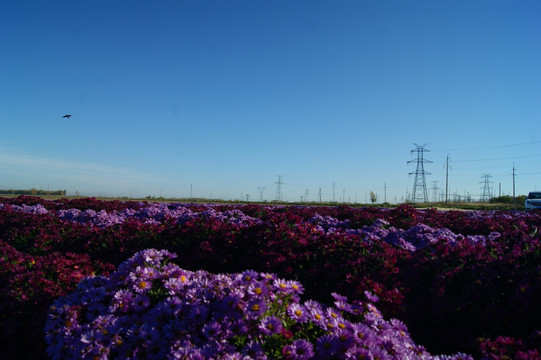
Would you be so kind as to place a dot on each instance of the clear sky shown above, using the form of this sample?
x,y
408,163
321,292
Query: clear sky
x,y
220,98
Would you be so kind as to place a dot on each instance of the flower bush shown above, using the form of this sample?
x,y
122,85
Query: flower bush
x,y
463,282
152,309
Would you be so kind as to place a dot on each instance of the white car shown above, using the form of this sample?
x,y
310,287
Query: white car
x,y
533,201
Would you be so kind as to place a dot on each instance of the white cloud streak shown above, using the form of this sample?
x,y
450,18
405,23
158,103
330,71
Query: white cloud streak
x,y
23,169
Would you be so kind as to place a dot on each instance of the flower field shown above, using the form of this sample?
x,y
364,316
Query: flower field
x,y
111,279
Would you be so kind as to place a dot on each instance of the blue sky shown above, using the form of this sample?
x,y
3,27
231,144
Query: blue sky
x,y
219,98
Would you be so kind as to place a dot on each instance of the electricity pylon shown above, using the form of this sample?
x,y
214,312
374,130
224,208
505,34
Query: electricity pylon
x,y
485,197
419,184
279,188
261,189
435,189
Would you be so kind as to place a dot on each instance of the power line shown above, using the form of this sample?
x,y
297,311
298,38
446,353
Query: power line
x,y
502,158
489,147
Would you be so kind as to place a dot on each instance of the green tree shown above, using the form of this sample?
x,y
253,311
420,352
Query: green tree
x,y
373,197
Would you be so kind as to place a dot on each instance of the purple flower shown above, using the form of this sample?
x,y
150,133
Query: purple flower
x,y
233,356
141,302
362,334
255,308
249,275
212,329
254,350
258,288
341,303
270,325
174,284
122,300
371,296
212,316
238,327
327,345
295,286
297,312
382,354
299,349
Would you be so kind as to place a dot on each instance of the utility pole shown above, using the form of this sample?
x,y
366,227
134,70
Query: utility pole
x,y
419,184
306,195
333,192
514,184
319,194
446,178
385,192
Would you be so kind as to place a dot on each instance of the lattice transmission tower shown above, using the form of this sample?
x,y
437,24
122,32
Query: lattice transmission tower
x,y
419,184
279,184
261,189
486,195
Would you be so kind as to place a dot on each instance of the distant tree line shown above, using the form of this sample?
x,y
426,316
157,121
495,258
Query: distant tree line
x,y
33,192
506,199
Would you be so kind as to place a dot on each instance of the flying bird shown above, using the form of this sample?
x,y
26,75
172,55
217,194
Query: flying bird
x,y
67,116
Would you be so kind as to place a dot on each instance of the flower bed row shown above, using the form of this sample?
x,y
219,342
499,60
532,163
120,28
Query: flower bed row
x,y
150,309
461,281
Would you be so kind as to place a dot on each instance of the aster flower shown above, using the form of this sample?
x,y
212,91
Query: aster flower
x,y
327,345
268,276
141,302
281,285
381,354
141,284
299,349
295,286
238,327
312,306
255,308
297,312
233,356
122,300
213,316
211,330
371,296
254,350
339,323
258,288
357,352
249,275
341,303
270,325
317,315
174,284
362,333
